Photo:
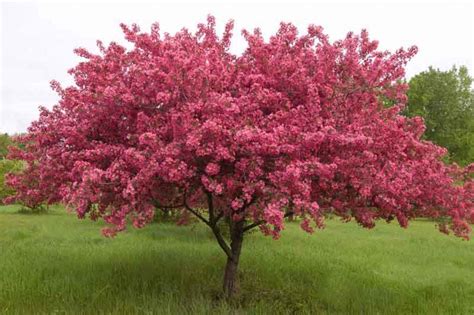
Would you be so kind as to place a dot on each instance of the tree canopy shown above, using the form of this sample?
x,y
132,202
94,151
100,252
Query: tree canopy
x,y
293,126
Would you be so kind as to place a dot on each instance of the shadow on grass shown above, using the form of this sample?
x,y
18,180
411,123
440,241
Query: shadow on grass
x,y
29,211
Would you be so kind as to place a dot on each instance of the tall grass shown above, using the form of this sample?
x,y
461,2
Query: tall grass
x,y
55,263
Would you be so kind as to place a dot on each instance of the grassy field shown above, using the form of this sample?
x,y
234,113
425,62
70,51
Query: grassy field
x,y
55,263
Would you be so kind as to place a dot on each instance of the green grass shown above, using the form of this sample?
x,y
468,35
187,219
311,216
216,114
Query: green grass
x,y
55,263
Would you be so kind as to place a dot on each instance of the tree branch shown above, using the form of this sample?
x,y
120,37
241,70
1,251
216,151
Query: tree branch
x,y
222,243
211,223
210,207
213,219
253,225
195,212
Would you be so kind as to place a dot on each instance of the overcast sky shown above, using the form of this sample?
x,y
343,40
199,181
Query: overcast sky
x,y
37,39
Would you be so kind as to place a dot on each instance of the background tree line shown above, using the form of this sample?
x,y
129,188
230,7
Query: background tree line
x,y
445,100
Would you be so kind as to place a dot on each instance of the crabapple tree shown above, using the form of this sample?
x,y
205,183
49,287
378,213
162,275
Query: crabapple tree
x,y
295,125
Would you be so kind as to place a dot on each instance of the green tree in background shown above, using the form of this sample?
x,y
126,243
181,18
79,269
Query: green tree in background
x,y
6,166
5,141
446,101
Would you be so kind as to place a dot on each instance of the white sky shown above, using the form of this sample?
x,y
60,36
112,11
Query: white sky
x,y
37,39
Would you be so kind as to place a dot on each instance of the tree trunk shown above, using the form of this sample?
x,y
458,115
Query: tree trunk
x,y
231,276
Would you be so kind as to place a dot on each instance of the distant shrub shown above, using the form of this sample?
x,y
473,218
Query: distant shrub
x,y
165,215
8,166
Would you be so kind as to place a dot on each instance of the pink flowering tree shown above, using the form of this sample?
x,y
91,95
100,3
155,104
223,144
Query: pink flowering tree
x,y
293,126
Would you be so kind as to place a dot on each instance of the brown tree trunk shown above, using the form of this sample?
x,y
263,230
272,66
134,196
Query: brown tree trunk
x,y
231,276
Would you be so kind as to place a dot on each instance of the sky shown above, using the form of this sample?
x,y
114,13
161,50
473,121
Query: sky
x,y
37,38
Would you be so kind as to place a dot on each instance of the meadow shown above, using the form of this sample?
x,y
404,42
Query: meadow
x,y
56,264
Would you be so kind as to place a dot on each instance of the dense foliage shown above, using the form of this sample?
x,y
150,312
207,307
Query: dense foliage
x,y
293,126
445,100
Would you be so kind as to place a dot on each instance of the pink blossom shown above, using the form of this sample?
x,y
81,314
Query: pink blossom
x,y
212,169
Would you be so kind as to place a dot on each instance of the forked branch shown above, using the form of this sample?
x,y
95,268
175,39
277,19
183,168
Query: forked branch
x,y
212,223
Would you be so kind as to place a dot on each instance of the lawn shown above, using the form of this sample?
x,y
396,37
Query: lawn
x,y
55,263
